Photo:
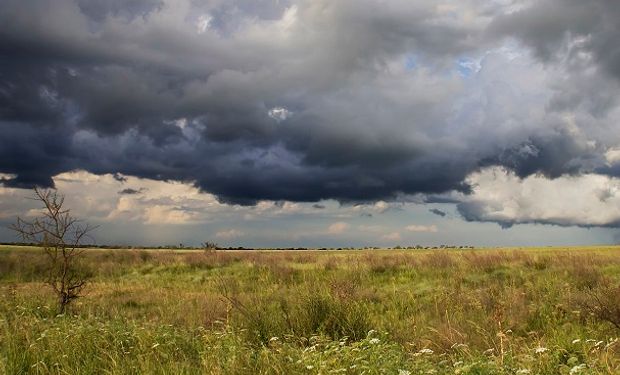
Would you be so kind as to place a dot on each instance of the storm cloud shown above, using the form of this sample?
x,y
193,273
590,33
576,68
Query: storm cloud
x,y
357,101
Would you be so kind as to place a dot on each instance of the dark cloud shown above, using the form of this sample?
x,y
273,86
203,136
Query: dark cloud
x,y
190,92
432,198
130,191
552,156
127,9
119,177
552,27
34,155
473,211
437,212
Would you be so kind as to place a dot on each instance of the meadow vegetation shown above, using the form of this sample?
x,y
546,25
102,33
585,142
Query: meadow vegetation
x,y
495,311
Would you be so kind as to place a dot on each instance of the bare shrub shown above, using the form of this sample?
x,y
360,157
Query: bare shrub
x,y
61,236
209,246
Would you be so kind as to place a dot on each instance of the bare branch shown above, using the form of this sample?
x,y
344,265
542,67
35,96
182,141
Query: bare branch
x,y
61,237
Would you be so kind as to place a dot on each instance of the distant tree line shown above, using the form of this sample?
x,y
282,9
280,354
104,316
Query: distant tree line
x,y
213,246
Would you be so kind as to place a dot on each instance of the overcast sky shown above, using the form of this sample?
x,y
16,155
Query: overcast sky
x,y
316,123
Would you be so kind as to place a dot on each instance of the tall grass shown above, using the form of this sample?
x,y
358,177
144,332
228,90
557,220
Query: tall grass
x,y
395,312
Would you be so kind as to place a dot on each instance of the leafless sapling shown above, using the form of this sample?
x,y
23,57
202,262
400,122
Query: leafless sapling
x,y
61,237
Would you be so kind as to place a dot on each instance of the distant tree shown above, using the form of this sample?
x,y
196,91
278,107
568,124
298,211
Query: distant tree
x,y
61,237
209,246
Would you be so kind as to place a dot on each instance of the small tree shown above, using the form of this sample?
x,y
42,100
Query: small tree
x,y
60,235
209,246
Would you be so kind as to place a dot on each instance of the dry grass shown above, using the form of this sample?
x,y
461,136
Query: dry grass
x,y
481,312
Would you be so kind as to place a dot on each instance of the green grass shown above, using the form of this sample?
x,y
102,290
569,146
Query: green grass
x,y
500,311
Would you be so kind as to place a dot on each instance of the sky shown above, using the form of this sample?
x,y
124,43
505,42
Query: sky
x,y
277,123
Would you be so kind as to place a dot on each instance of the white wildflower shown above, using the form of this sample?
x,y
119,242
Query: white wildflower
x,y
540,350
577,369
404,372
374,341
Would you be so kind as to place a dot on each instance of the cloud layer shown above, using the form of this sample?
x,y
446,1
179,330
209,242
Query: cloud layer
x,y
357,101
500,196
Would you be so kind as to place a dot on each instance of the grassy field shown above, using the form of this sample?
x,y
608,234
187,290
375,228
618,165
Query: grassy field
x,y
500,311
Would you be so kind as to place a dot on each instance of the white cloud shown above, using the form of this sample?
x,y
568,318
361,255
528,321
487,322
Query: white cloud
x,y
338,228
289,18
103,198
229,234
612,155
378,207
393,236
279,113
422,228
203,23
7,176
162,214
500,196
181,123
139,200
381,206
